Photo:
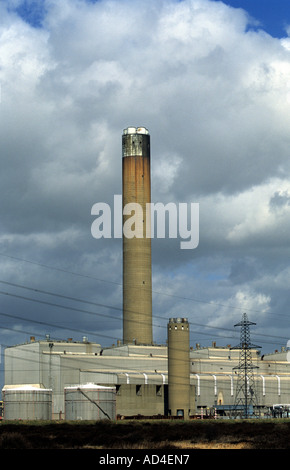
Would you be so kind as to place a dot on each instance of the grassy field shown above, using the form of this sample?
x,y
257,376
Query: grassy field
x,y
151,434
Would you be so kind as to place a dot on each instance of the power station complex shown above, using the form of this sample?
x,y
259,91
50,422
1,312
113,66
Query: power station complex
x,y
49,379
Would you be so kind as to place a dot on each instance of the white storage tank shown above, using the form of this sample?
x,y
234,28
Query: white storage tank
x,y
27,402
90,402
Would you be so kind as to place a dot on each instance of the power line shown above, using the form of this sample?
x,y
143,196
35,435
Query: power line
x,y
106,306
58,269
17,317
87,276
118,308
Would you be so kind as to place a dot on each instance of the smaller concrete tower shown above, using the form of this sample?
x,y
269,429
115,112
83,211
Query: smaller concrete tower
x,y
178,368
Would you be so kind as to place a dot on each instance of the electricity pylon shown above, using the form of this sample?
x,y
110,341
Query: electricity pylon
x,y
245,397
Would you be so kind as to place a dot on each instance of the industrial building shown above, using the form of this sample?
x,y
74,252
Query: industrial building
x,y
49,379
138,373
140,376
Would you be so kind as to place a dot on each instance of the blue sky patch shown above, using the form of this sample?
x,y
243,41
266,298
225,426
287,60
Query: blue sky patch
x,y
273,15
32,11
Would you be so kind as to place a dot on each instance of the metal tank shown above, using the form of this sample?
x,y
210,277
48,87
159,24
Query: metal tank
x,y
27,403
137,271
90,402
178,368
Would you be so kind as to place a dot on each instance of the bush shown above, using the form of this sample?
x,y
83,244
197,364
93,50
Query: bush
x,y
13,440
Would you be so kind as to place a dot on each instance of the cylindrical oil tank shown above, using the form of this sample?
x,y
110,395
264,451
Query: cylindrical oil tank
x,y
178,368
137,271
90,402
27,403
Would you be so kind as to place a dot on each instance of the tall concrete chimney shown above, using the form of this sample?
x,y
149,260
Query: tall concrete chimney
x,y
137,271
178,368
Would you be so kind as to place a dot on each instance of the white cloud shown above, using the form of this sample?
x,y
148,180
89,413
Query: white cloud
x,y
255,303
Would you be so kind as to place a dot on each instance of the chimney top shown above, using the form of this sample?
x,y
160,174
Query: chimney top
x,y
135,130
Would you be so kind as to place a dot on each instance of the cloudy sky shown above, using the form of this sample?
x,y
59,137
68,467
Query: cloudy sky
x,y
211,82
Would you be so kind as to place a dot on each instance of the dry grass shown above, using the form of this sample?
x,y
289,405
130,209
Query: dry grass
x,y
150,434
212,445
